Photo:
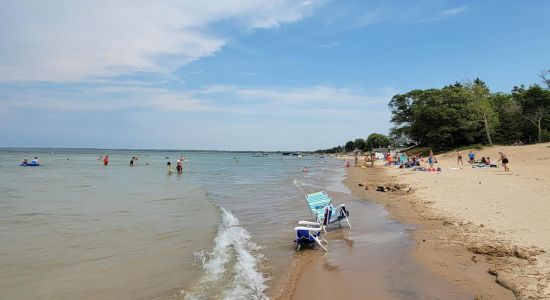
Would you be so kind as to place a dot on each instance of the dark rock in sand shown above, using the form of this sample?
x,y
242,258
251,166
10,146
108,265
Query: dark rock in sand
x,y
380,188
475,258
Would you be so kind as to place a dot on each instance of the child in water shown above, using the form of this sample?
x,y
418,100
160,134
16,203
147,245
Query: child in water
x,y
170,170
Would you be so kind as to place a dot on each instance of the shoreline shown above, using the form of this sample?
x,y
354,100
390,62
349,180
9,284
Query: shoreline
x,y
434,247
470,227
451,273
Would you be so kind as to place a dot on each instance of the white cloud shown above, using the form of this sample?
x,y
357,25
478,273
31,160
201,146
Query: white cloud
x,y
443,15
454,11
318,100
81,40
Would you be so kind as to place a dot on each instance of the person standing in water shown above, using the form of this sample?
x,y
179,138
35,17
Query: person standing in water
x,y
179,166
305,170
504,160
132,161
106,160
169,167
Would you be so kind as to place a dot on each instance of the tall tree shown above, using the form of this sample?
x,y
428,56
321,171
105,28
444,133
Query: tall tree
x,y
360,144
350,146
479,94
377,140
545,77
510,121
535,105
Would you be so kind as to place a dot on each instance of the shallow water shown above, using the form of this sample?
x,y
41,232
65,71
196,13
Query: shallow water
x,y
73,228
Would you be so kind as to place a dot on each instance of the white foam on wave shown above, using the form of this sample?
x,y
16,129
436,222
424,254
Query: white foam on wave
x,y
232,263
304,185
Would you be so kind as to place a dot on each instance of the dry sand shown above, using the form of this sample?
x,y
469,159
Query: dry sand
x,y
503,218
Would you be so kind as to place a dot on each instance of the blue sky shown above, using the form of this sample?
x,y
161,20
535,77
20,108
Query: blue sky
x,y
245,74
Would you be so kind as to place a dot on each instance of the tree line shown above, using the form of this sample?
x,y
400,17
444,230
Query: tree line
x,y
375,140
468,113
464,113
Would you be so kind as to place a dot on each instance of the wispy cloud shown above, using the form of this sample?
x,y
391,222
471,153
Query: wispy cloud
x,y
442,15
77,40
454,11
216,98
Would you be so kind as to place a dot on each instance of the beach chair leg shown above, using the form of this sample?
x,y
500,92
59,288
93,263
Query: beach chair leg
x,y
320,244
347,220
298,245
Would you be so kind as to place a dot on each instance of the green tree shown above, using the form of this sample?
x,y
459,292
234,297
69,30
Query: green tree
x,y
510,121
535,107
350,146
482,108
377,140
360,144
439,118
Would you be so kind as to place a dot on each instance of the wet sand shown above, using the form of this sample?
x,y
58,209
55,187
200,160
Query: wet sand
x,y
381,258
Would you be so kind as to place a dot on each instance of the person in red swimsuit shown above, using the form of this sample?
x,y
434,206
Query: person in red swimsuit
x,y
106,160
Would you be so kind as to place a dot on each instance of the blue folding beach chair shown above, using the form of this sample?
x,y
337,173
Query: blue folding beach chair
x,y
320,205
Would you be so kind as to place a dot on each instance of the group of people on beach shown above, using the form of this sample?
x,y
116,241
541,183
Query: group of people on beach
x,y
484,161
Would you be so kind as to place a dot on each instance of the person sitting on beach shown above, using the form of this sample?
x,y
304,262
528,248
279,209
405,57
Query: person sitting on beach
x,y
488,161
471,157
504,160
34,161
25,162
348,164
484,161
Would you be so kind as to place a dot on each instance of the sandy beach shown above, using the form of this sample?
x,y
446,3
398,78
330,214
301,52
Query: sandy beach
x,y
486,233
502,218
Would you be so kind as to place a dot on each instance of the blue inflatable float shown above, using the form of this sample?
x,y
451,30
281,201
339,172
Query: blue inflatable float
x,y
29,165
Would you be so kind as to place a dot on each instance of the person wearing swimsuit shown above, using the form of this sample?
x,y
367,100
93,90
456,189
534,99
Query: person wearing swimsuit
x,y
459,158
504,160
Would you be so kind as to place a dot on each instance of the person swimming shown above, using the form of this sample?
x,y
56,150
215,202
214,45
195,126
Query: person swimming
x,y
305,170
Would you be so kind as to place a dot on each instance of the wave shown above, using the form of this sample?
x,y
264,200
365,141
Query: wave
x,y
304,186
231,269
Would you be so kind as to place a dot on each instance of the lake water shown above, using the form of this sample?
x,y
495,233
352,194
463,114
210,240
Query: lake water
x,y
73,228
